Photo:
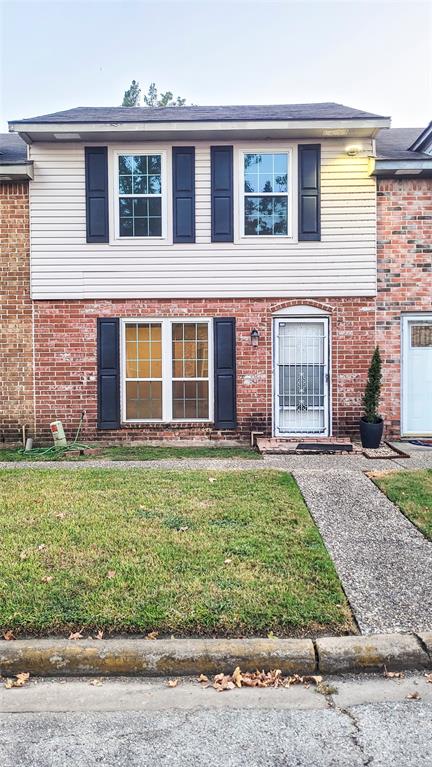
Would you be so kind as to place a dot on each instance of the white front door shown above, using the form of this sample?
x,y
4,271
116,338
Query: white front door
x,y
301,377
417,375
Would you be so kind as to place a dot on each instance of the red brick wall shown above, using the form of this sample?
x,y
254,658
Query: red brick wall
x,y
404,275
65,344
16,378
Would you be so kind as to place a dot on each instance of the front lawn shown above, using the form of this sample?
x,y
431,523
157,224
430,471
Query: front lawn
x,y
412,492
135,453
191,552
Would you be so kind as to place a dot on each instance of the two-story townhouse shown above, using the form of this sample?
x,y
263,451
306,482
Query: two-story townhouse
x,y
202,270
403,169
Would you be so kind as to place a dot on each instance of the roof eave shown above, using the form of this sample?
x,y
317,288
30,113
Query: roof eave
x,y
31,132
424,141
16,171
402,168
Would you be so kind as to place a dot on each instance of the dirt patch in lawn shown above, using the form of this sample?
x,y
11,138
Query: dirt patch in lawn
x,y
184,553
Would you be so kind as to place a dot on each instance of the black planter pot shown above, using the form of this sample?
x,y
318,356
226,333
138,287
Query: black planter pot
x,y
371,433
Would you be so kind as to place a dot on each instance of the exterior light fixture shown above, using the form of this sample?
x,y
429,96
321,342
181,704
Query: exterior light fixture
x,y
353,150
254,337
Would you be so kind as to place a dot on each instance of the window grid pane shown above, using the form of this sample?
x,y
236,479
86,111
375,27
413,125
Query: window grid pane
x,y
143,342
140,201
190,398
266,194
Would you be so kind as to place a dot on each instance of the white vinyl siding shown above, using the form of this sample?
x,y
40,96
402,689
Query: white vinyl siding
x,y
64,265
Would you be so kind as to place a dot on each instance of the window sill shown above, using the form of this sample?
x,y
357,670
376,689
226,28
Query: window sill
x,y
164,424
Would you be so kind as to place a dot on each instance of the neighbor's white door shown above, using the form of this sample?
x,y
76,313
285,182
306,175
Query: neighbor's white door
x,y
417,375
301,377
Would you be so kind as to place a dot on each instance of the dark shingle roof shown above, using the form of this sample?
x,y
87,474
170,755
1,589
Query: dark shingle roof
x,y
393,144
326,111
12,149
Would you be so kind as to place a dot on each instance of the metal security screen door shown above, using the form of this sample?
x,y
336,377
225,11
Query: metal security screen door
x,y
301,379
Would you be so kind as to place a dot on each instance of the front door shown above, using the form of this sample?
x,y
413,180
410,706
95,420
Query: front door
x,y
417,375
301,377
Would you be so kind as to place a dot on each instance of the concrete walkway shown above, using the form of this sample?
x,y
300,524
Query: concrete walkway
x,y
383,561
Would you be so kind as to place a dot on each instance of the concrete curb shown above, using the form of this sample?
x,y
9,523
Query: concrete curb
x,y
188,657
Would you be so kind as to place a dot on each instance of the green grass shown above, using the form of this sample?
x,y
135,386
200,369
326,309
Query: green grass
x,y
166,536
412,492
137,453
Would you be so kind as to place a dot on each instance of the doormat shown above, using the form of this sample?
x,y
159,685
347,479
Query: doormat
x,y
420,442
325,447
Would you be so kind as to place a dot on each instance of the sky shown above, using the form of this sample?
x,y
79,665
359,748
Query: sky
x,y
373,56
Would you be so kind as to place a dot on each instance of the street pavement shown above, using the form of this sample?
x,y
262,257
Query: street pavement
x,y
366,720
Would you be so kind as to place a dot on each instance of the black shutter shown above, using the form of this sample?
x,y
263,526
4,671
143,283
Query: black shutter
x,y
222,226
183,158
96,180
309,159
224,373
108,358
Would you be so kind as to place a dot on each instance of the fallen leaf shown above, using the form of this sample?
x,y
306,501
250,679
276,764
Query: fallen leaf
x,y
47,579
75,635
393,674
111,574
237,677
428,678
96,682
152,635
270,635
272,678
172,682
19,681
202,678
9,635
99,635
413,696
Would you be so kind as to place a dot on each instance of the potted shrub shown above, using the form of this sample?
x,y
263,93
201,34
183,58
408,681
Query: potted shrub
x,y
371,424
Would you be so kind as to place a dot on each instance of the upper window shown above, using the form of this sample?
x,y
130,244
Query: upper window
x,y
140,195
266,194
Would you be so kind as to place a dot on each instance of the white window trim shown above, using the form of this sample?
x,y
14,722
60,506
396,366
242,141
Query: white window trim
x,y
166,323
114,188
270,148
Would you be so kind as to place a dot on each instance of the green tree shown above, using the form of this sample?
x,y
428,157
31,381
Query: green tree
x,y
373,388
154,99
131,97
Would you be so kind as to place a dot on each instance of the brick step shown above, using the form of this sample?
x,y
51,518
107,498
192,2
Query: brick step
x,y
325,445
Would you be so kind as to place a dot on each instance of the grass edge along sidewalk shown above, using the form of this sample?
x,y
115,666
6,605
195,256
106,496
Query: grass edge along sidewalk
x,y
411,492
184,553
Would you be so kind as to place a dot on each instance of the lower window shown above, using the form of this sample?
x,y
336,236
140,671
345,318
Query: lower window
x,y
166,370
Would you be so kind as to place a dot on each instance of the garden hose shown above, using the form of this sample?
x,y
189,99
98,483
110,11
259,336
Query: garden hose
x,y
57,452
